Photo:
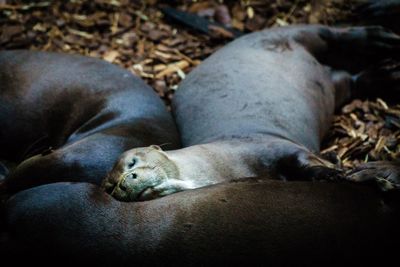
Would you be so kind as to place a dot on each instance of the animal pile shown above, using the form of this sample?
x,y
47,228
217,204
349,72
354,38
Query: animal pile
x,y
100,157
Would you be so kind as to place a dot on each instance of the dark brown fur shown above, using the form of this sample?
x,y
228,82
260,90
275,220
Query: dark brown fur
x,y
68,118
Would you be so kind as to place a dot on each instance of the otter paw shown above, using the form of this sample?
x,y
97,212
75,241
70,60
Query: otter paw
x,y
305,165
385,174
164,189
368,40
381,37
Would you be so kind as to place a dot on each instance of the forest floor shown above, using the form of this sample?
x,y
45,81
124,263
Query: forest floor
x,y
137,36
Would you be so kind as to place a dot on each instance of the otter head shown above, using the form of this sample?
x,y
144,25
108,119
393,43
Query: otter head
x,y
138,172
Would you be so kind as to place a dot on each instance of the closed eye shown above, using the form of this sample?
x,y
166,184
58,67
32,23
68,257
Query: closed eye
x,y
132,164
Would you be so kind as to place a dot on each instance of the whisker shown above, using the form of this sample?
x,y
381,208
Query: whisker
x,y
118,184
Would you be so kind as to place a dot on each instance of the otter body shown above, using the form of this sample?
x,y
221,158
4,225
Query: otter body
x,y
259,105
249,221
68,118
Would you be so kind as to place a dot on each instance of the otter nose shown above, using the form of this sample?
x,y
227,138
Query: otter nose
x,y
116,189
112,182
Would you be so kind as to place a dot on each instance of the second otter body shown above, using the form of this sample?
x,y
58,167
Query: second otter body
x,y
260,104
68,118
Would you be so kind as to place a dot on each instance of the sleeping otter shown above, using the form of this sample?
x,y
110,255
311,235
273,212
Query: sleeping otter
x,y
259,105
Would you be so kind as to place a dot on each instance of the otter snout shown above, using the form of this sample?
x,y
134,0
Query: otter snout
x,y
116,186
130,185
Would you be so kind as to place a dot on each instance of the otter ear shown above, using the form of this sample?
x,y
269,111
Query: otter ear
x,y
156,147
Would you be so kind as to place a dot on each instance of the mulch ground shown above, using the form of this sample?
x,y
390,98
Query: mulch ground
x,y
137,36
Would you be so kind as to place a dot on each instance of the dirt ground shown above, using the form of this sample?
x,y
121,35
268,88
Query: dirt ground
x,y
138,37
